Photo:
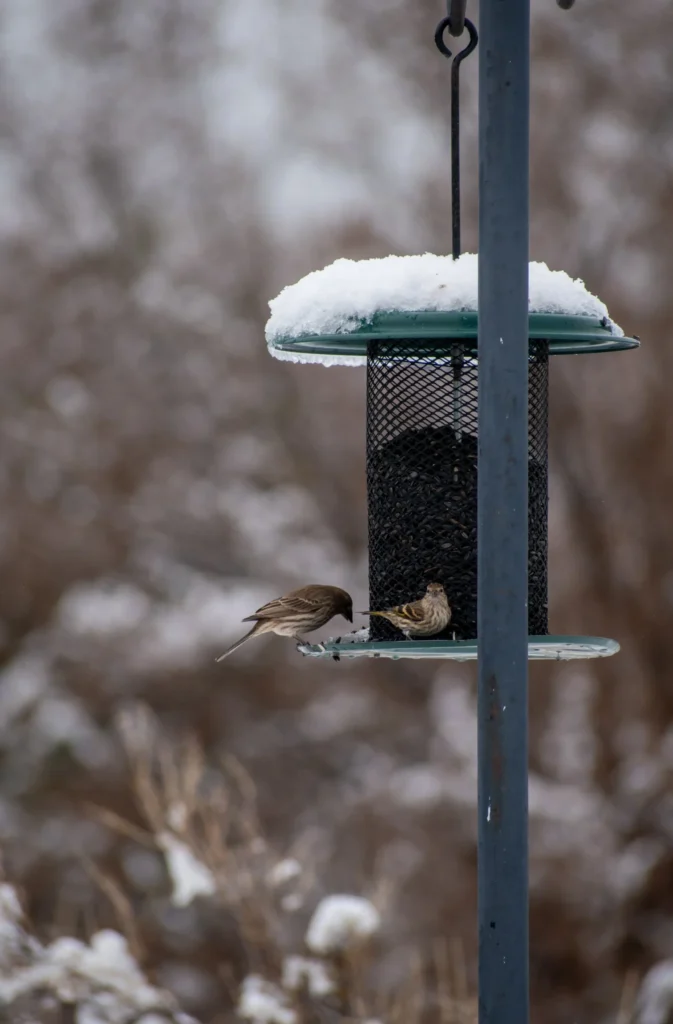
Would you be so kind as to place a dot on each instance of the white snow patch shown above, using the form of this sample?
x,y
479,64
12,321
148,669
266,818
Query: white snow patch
x,y
569,747
22,685
454,713
632,865
177,816
655,999
102,977
313,357
10,908
204,616
189,876
147,1018
340,922
11,932
339,712
560,803
302,972
420,786
59,721
106,962
356,636
343,295
284,527
293,902
263,1002
102,610
284,871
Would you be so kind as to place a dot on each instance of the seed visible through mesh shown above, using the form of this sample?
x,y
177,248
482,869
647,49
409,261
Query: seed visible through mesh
x,y
422,480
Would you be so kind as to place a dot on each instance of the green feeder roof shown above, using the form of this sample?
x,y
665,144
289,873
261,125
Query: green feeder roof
x,y
330,315
565,334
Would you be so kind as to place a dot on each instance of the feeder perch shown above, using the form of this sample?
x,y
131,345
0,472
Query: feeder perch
x,y
422,430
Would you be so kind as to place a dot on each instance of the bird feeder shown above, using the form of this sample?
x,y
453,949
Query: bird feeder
x,y
422,433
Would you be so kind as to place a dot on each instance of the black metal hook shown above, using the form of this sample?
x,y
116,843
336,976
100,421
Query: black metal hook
x,y
455,118
455,10
443,48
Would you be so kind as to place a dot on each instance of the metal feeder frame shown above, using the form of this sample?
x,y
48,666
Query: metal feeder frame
x,y
394,345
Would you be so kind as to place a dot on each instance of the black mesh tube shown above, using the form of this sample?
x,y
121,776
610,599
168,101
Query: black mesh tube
x,y
422,479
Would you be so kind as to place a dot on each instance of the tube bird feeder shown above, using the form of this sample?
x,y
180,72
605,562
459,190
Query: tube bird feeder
x,y
412,322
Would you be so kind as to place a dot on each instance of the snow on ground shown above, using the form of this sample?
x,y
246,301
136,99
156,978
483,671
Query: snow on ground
x,y
347,293
340,922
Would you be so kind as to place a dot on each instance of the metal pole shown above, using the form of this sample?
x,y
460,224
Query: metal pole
x,y
503,511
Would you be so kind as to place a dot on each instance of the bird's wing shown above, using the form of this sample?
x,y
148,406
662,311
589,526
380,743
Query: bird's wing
x,y
414,612
282,608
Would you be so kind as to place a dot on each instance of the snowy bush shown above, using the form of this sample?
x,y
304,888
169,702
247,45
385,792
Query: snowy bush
x,y
101,979
340,922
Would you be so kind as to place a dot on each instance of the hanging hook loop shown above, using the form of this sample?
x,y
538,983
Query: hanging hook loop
x,y
455,117
443,48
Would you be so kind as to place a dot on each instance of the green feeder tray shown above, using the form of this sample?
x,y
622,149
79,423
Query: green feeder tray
x,y
565,334
540,648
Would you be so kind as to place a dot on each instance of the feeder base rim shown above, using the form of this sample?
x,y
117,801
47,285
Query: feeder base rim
x,y
540,648
565,333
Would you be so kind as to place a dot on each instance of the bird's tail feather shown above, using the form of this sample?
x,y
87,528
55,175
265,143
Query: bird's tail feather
x,y
239,643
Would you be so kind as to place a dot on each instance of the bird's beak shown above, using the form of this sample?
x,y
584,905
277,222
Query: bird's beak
x,y
348,616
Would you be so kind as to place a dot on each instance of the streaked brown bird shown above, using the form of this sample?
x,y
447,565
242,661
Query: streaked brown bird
x,y
300,611
426,617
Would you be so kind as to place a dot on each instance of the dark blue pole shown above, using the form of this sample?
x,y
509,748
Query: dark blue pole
x,y
503,511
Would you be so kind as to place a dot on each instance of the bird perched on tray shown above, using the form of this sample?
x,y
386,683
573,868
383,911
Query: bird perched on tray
x,y
426,617
300,611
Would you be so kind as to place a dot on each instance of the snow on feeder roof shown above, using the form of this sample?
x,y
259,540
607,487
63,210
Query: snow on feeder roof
x,y
330,315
